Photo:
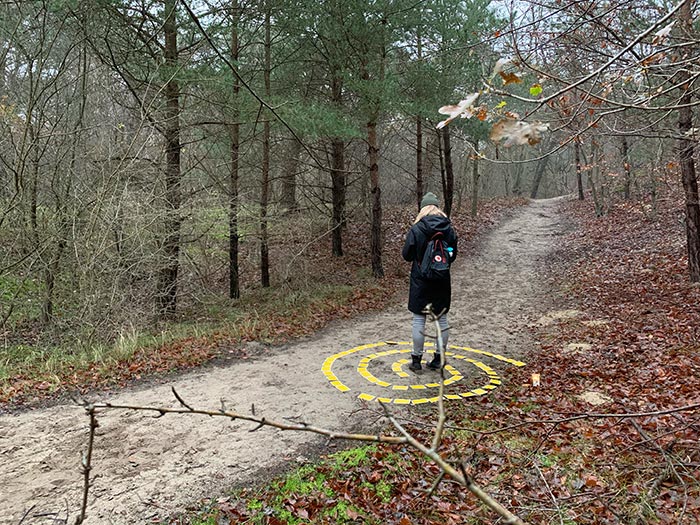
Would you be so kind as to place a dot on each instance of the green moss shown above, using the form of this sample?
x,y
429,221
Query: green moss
x,y
352,457
304,481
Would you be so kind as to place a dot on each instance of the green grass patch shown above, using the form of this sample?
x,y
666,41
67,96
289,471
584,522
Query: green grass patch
x,y
317,493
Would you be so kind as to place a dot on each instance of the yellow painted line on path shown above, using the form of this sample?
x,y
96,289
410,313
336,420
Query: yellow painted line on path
x,y
404,347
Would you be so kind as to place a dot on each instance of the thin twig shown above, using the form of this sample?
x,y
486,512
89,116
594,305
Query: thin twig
x,y
670,471
436,483
24,517
180,400
450,471
87,463
551,494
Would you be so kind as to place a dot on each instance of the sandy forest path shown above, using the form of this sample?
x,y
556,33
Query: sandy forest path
x,y
148,468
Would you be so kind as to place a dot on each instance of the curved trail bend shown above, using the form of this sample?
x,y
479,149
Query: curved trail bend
x,y
148,467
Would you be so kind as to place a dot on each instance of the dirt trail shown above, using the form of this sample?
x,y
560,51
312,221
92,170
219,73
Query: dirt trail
x,y
150,467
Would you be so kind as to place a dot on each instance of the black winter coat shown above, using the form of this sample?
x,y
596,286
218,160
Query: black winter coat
x,y
422,292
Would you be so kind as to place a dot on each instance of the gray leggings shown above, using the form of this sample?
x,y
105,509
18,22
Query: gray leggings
x,y
419,330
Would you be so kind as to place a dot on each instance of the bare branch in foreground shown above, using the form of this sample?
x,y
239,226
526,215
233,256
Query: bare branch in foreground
x,y
93,408
459,477
261,421
440,427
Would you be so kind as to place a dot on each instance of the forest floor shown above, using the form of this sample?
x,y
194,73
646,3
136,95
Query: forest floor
x,y
599,307
148,468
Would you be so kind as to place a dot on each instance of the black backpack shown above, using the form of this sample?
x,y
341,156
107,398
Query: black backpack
x,y
435,265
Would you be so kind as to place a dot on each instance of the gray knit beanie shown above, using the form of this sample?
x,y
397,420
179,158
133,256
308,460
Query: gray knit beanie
x,y
428,199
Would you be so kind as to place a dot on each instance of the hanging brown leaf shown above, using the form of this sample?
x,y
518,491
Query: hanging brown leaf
x,y
653,59
500,64
517,132
465,109
510,78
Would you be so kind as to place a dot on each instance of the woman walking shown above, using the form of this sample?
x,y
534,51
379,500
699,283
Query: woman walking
x,y
430,225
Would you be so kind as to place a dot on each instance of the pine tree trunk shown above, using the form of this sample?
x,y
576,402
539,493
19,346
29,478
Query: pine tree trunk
x,y
475,179
338,175
626,167
448,189
288,198
376,227
577,158
419,160
441,159
338,181
419,131
265,182
234,291
686,146
431,154
167,288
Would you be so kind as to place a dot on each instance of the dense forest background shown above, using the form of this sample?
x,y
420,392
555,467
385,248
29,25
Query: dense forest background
x,y
162,161
188,180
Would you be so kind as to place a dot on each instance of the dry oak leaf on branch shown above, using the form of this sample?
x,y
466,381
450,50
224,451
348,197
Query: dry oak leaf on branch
x,y
662,34
517,132
465,109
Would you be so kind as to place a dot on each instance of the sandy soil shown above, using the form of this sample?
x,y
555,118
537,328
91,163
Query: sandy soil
x,y
148,468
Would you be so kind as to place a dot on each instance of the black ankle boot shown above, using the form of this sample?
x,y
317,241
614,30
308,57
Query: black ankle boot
x,y
435,363
415,363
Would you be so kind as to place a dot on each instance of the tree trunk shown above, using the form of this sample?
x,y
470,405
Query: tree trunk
x,y
687,149
577,158
338,181
167,288
517,183
448,188
34,185
338,175
50,274
265,183
686,146
593,175
626,167
419,160
419,132
288,198
374,111
431,154
539,174
234,291
475,179
376,227
441,159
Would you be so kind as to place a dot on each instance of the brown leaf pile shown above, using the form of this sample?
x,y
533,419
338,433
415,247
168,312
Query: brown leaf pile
x,y
628,276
